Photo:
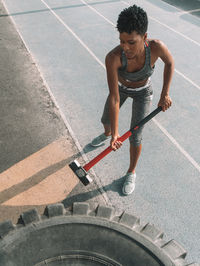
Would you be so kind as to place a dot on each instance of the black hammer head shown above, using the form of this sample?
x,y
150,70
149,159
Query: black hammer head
x,y
80,173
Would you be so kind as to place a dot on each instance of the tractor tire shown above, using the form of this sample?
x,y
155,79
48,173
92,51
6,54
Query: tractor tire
x,y
82,236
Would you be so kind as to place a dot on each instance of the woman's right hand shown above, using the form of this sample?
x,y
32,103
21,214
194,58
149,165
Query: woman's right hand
x,y
115,143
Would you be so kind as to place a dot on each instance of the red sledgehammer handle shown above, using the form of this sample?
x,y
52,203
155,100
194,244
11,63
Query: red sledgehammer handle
x,y
105,152
122,138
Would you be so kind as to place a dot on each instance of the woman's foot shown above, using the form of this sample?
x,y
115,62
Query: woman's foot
x,y
129,184
98,141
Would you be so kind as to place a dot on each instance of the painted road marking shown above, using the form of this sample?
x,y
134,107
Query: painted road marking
x,y
177,145
189,11
74,34
40,179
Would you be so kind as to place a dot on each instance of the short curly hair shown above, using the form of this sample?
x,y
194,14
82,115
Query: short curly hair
x,y
133,18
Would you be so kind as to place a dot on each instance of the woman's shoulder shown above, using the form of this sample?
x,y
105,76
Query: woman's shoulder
x,y
155,44
157,47
115,52
114,56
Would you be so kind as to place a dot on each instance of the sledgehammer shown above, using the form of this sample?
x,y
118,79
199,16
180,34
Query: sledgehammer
x,y
81,172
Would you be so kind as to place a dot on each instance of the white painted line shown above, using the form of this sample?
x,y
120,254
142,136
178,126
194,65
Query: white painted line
x,y
186,78
93,9
190,159
74,34
178,146
189,11
177,32
170,28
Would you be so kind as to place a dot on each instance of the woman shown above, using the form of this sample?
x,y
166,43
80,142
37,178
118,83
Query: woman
x,y
129,68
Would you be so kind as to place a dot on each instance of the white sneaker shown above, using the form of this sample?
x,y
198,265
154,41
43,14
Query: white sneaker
x,y
129,184
98,141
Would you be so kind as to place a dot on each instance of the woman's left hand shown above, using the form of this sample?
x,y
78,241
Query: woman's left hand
x,y
115,143
165,102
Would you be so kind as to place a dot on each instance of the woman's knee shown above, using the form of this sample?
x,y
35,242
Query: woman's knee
x,y
136,139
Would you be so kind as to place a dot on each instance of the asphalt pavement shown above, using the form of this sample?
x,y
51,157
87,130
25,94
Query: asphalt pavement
x,y
35,144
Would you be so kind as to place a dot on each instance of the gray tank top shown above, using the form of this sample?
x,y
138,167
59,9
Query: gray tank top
x,y
143,73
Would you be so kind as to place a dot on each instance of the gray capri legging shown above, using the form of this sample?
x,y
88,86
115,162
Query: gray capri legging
x,y
140,108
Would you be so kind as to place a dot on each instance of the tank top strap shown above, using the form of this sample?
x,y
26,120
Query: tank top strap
x,y
146,43
123,60
147,53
